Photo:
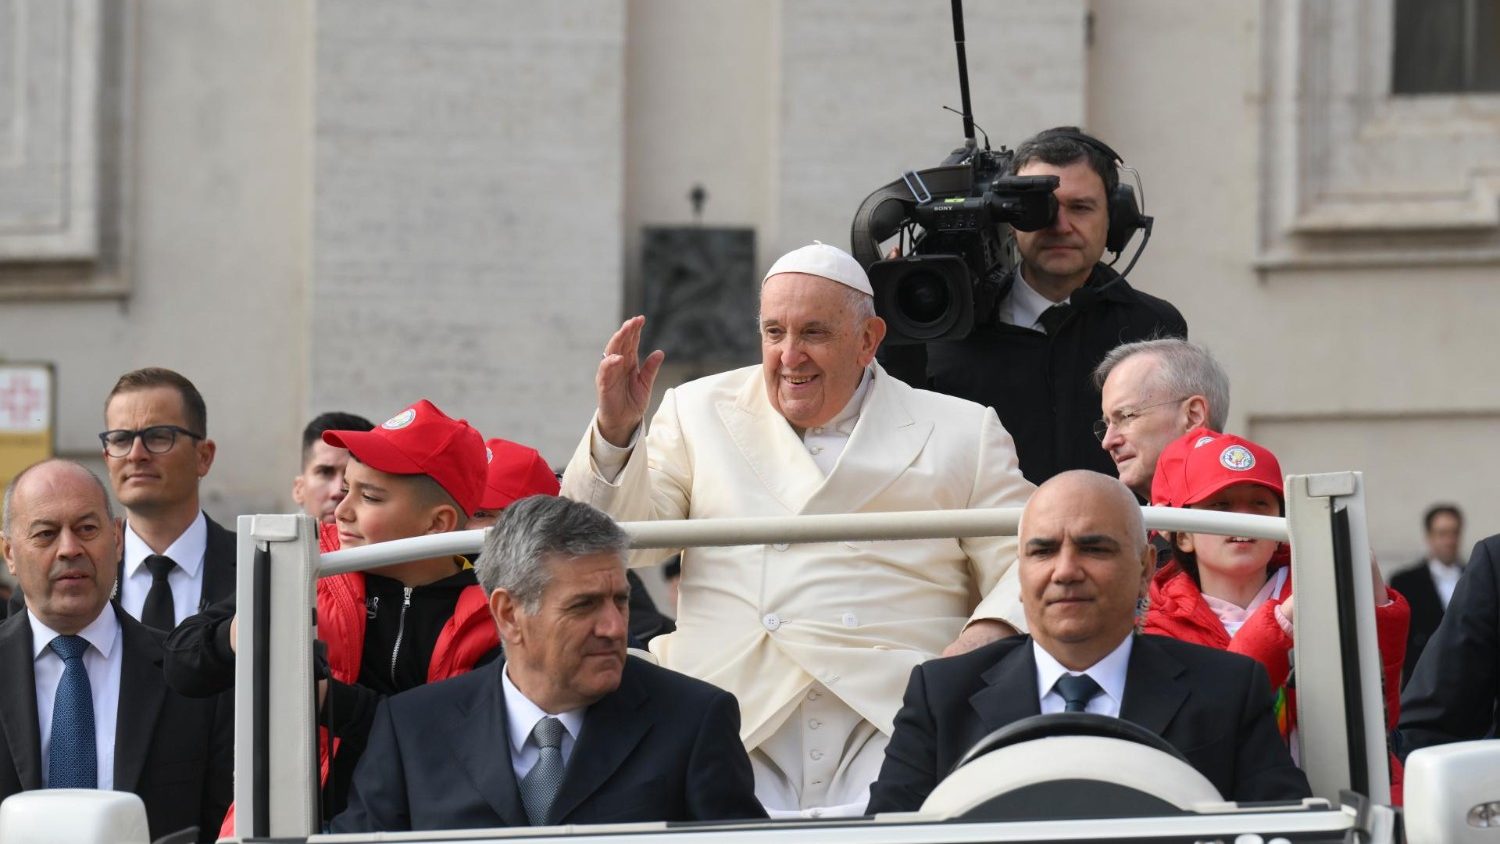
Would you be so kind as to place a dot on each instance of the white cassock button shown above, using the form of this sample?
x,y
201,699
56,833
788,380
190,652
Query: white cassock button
x,y
851,620
771,621
816,755
780,546
813,695
817,449
814,723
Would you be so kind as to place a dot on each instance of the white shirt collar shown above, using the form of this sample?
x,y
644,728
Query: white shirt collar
x,y
1108,672
848,417
186,551
521,715
102,632
1025,305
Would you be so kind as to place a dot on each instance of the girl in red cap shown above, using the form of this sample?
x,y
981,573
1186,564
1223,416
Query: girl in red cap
x,y
1235,593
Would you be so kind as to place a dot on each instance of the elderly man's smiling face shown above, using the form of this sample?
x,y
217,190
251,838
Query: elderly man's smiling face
x,y
1084,563
815,346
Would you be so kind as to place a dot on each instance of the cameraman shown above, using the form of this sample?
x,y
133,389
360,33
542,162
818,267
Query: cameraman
x,y
1060,313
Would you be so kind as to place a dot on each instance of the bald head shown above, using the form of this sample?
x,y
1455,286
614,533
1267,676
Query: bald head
x,y
62,543
49,469
1084,563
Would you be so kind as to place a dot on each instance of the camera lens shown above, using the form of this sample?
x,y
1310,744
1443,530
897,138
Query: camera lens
x,y
922,297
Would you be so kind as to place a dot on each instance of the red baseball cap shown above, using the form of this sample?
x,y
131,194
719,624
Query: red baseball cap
x,y
1211,462
422,440
516,471
1167,483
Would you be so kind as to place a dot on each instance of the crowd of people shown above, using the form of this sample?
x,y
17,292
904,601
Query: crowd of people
x,y
797,680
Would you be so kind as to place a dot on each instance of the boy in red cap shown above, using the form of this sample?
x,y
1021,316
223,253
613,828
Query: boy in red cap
x,y
1235,593
396,627
514,472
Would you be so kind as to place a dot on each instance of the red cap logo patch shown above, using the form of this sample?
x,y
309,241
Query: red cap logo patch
x,y
400,420
1238,458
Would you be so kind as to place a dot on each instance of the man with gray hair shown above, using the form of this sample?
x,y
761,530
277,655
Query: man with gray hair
x,y
1151,393
566,729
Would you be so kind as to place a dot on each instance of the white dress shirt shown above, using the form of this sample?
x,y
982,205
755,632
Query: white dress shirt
x,y
1023,306
521,716
102,661
186,580
1444,579
1108,672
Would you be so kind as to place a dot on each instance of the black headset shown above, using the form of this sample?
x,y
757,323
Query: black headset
x,y
1125,217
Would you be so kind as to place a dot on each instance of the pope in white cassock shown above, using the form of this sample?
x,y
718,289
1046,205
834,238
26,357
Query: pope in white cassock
x,y
816,641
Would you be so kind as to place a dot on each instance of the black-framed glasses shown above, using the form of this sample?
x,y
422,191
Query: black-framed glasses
x,y
158,439
1101,426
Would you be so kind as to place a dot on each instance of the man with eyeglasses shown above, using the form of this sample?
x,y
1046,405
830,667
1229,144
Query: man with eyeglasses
x,y
1151,393
176,560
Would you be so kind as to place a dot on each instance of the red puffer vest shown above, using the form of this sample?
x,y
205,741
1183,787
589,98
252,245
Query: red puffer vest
x,y
1179,611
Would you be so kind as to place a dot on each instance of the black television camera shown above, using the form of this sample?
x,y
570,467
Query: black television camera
x,y
957,249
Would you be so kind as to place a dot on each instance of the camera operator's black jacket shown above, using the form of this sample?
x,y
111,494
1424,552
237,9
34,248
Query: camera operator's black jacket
x,y
1041,385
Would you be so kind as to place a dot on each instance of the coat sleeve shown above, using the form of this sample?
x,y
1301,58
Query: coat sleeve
x,y
1391,624
656,482
1263,767
720,784
377,799
909,772
1262,639
1452,692
992,559
198,661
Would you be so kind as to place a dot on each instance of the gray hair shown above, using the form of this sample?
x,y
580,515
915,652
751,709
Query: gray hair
x,y
6,509
533,530
1187,369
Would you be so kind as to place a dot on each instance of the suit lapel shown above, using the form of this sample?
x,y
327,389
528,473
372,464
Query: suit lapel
x,y
885,442
611,730
482,746
218,564
1010,691
142,691
18,715
1154,691
769,445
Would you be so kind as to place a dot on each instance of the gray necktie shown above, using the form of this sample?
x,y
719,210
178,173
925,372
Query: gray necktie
x,y
540,785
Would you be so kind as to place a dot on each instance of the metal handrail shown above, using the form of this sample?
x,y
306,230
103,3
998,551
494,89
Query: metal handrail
x,y
792,530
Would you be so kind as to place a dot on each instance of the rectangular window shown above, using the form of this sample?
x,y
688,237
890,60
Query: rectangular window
x,y
1446,47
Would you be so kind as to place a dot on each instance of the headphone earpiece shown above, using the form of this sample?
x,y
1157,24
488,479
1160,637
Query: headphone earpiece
x,y
1125,217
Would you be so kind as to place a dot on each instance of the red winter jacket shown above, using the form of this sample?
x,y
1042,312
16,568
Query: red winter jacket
x,y
468,635
1179,611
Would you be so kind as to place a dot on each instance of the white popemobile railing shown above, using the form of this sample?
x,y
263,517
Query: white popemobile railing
x,y
1338,681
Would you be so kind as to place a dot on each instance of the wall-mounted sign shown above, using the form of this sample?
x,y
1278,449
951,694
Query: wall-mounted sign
x,y
27,428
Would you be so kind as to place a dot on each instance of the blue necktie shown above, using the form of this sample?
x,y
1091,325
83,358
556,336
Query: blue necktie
x,y
1077,690
72,761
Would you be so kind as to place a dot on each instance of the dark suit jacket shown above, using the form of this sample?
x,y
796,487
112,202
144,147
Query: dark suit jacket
x,y
661,747
218,569
1453,691
1415,584
1213,706
176,753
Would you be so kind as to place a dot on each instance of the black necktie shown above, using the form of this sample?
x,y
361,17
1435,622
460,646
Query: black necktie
x,y
1052,318
1077,690
159,611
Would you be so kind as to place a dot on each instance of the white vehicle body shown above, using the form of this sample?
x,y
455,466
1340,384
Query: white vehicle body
x,y
1342,727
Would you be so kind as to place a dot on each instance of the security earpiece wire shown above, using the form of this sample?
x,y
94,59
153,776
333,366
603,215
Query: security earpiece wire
x,y
1146,221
